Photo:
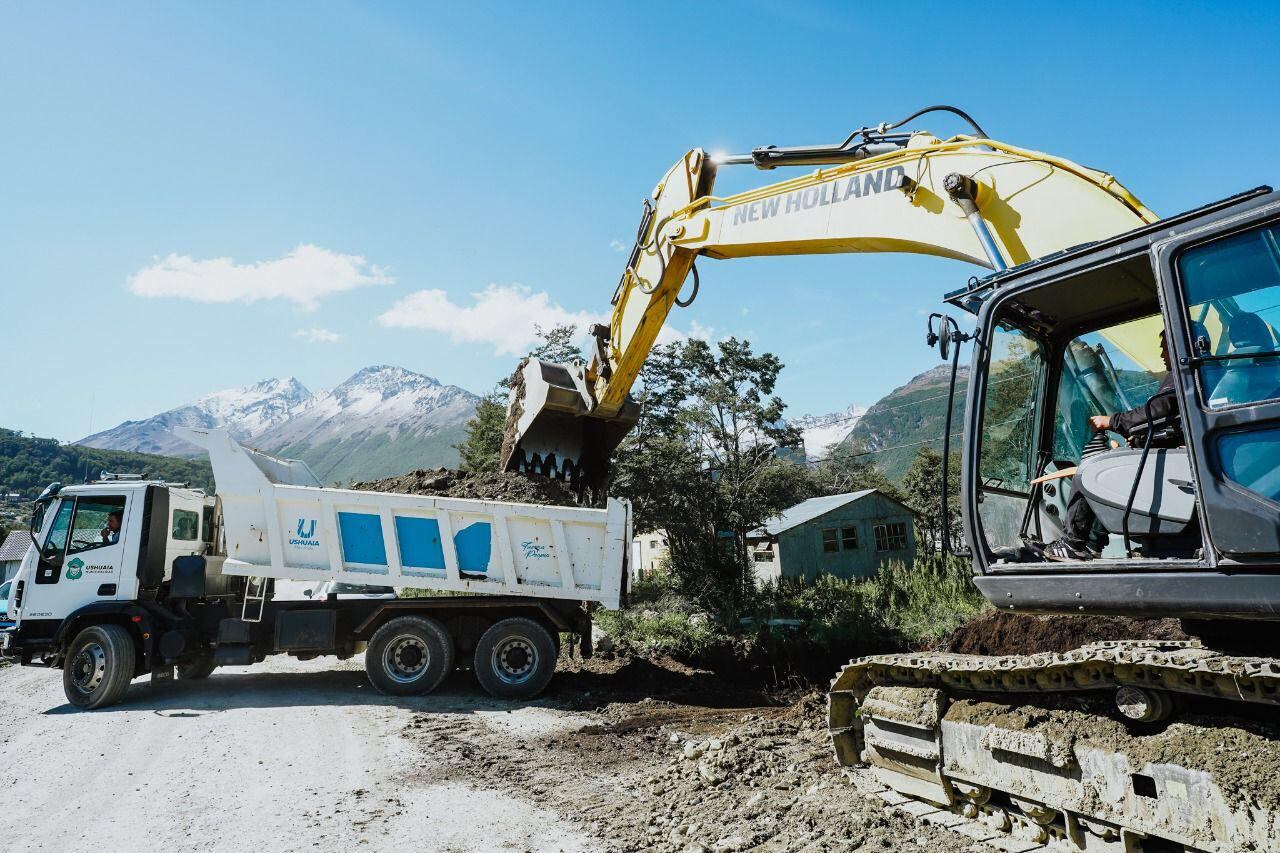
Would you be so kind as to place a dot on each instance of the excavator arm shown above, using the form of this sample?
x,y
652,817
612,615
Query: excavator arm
x,y
969,198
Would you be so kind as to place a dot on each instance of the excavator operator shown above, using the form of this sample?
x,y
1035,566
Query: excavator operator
x,y
1083,538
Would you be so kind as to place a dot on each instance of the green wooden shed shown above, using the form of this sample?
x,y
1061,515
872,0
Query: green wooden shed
x,y
848,535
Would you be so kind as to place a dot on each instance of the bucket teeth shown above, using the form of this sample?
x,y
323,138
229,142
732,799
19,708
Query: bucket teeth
x,y
550,431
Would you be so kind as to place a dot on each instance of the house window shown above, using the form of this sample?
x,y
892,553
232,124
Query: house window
x,y
891,537
848,538
830,540
653,543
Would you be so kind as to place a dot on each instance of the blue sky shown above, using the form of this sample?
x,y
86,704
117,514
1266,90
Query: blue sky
x,y
455,149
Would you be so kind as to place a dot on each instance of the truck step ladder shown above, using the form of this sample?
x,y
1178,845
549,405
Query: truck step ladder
x,y
255,595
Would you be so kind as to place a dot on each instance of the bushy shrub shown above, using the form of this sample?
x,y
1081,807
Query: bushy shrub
x,y
900,606
660,618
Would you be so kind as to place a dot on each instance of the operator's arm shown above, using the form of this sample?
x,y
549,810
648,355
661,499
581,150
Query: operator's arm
x,y
1163,404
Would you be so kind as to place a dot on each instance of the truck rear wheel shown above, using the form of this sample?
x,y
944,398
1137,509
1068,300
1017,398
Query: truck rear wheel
x,y
515,659
409,656
98,667
201,667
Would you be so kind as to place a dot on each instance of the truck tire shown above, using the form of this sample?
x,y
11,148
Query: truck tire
x,y
409,656
99,666
515,659
194,670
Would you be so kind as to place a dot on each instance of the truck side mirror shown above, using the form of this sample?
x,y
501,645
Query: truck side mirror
x,y
308,593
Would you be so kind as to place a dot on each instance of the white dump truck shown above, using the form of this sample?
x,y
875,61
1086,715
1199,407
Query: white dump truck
x,y
127,577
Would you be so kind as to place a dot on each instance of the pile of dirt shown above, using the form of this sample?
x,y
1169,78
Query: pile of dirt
x,y
488,486
654,775
997,632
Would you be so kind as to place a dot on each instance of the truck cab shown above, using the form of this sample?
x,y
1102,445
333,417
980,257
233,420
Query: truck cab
x,y
100,545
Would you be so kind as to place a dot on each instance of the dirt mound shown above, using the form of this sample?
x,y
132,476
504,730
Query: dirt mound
x,y
489,486
657,776
997,632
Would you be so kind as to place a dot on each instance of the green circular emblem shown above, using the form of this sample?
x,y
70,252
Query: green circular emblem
x,y
75,568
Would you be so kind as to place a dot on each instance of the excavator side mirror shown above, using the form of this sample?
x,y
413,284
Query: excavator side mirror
x,y
940,335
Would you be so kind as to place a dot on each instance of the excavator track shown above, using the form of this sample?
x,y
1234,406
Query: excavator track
x,y
1115,746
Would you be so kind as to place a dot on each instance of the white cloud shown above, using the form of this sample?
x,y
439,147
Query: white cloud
x,y
317,336
304,276
618,246
705,333
500,316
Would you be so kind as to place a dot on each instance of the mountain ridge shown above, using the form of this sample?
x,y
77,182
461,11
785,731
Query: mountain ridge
x,y
380,421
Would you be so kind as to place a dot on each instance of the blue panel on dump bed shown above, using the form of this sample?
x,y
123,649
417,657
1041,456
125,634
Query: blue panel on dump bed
x,y
361,534
420,546
473,546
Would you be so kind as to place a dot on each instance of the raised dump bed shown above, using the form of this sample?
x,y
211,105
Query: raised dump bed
x,y
279,522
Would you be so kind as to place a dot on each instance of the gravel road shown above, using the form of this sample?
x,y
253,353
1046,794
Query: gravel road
x,y
286,755
291,755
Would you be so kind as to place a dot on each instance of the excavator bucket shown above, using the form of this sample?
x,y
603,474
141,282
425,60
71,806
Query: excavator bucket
x,y
549,432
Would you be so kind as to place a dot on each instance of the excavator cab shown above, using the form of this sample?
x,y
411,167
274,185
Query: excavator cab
x,y
1187,509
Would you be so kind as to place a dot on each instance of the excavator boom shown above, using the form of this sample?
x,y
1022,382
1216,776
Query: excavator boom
x,y
969,198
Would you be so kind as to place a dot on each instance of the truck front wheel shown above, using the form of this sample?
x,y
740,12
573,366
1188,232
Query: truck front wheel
x,y
409,656
98,667
515,659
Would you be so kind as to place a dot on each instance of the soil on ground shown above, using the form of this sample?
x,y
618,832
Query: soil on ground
x,y
489,486
997,632
710,766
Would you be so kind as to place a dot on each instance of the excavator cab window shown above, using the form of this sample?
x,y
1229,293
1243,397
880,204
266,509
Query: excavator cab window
x,y
1095,377
1232,291
1010,419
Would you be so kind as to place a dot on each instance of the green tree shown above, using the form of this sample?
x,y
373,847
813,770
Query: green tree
x,y
482,444
702,463
921,487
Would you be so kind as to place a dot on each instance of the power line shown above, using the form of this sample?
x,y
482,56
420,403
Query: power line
x,y
833,456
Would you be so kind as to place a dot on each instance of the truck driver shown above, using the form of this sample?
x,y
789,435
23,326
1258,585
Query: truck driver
x,y
111,533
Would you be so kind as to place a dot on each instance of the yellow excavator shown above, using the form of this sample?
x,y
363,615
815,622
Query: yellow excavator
x,y
1093,306
968,197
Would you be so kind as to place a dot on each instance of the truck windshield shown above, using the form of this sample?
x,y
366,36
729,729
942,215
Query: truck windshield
x,y
56,540
1015,377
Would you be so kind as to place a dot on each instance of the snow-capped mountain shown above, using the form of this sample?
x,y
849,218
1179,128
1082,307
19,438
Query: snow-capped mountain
x,y
245,412
822,432
381,421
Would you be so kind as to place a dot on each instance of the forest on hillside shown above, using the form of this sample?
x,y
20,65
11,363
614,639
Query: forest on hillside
x,y
28,464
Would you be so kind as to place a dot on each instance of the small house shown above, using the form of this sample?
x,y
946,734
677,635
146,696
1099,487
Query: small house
x,y
848,535
648,550
13,549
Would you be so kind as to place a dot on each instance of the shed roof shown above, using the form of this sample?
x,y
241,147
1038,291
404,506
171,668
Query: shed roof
x,y
15,545
809,510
